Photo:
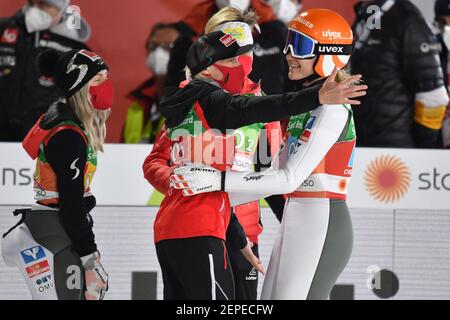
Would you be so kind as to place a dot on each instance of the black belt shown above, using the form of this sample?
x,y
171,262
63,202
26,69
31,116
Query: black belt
x,y
23,213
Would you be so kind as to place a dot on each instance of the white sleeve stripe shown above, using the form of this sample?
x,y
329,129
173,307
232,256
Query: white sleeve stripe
x,y
434,98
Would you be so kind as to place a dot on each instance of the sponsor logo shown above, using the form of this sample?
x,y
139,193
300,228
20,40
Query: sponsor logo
x,y
205,188
7,61
243,164
254,178
310,122
305,22
329,49
252,275
331,34
293,145
260,52
237,33
342,185
387,179
350,161
37,268
91,55
227,40
371,42
308,183
434,180
32,254
83,70
10,36
430,47
44,284
73,167
305,136
295,125
188,120
54,45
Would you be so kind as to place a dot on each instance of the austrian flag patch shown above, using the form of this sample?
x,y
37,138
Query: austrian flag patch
x,y
227,40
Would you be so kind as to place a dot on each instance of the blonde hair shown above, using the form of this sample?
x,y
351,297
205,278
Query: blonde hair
x,y
344,74
94,121
229,14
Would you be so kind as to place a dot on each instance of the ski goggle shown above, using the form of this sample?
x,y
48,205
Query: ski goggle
x,y
304,47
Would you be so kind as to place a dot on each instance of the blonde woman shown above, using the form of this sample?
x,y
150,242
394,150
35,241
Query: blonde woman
x,y
315,239
53,245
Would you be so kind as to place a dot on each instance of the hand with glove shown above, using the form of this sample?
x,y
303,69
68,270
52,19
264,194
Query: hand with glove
x,y
196,178
96,277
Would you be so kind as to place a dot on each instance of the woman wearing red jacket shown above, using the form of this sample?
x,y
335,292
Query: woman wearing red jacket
x,y
157,171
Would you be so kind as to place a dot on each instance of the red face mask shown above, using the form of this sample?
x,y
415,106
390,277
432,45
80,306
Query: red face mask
x,y
102,96
233,78
246,62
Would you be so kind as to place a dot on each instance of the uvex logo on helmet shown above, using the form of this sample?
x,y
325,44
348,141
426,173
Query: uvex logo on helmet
x,y
331,49
331,34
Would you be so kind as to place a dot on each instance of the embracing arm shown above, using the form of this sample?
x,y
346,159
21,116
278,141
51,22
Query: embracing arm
x,y
224,111
304,158
328,126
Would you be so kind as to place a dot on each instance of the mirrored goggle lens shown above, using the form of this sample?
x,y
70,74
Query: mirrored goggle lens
x,y
301,46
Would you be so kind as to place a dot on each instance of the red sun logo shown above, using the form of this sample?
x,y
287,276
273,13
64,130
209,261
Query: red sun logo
x,y
387,179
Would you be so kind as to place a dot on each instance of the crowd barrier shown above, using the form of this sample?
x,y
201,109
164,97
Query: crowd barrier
x,y
398,198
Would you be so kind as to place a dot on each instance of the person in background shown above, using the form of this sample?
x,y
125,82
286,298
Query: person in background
x,y
269,66
442,21
24,93
397,53
144,121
